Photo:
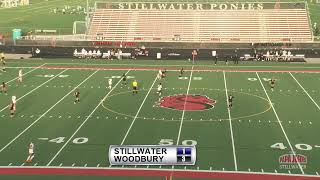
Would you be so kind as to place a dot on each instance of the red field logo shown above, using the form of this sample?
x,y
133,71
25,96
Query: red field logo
x,y
292,161
187,102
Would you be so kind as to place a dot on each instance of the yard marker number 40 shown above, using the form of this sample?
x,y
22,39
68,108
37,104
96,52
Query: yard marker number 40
x,y
302,147
51,75
193,78
79,140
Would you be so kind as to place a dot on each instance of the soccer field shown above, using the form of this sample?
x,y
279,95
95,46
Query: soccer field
x,y
250,137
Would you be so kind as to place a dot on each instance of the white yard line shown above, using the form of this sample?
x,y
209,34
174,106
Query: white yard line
x,y
35,88
88,117
305,91
184,107
284,132
230,124
35,68
135,117
46,112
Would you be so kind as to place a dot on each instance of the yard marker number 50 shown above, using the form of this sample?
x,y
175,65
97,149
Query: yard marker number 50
x,y
168,142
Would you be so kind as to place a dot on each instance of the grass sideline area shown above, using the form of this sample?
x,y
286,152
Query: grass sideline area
x,y
262,125
36,15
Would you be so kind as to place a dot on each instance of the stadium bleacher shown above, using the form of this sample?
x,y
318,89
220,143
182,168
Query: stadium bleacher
x,y
267,25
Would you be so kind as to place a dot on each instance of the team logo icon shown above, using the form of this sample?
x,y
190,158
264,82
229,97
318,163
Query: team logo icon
x,y
187,102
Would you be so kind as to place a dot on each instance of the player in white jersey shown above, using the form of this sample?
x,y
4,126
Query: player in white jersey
x,y
110,83
31,153
20,76
159,89
13,105
159,74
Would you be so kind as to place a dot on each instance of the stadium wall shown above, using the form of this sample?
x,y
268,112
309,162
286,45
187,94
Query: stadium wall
x,y
166,53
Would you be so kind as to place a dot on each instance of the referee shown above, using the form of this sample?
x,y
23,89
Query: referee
x,y
134,87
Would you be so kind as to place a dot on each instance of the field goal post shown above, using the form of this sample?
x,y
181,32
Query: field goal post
x,y
79,27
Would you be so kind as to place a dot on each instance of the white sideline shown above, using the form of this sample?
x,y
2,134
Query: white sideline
x,y
35,88
135,117
46,112
65,144
230,124
144,65
284,132
184,107
158,169
305,91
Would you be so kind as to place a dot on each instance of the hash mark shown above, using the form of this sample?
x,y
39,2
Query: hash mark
x,y
210,168
35,164
198,168
185,167
85,165
10,164
317,173
22,164
262,170
289,171
222,169
249,169
275,171
73,164
60,164
98,165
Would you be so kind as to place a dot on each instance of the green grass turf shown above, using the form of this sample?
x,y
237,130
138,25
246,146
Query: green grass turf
x,y
48,112
38,15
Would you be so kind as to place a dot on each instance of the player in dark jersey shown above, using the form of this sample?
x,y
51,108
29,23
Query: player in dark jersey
x,y
4,88
230,99
272,84
181,72
164,73
77,96
124,79
3,62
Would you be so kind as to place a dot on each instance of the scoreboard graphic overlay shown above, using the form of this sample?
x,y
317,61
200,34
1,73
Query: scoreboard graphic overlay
x,y
152,155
